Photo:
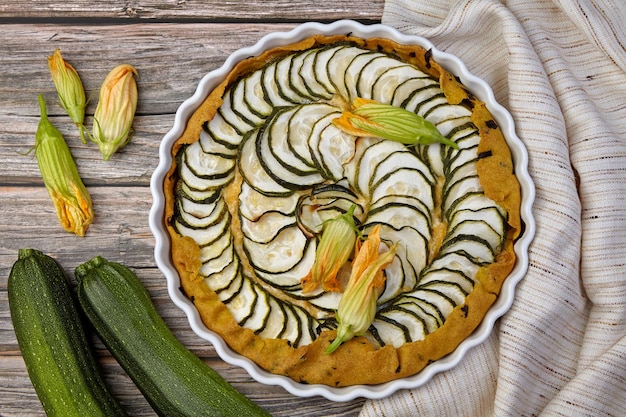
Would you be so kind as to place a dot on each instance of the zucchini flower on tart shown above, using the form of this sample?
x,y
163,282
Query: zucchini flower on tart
x,y
357,306
369,118
339,236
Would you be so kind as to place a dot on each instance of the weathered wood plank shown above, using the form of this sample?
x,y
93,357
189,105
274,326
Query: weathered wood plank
x,y
171,59
120,229
209,10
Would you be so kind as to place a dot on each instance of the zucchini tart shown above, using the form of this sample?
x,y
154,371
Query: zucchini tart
x,y
270,161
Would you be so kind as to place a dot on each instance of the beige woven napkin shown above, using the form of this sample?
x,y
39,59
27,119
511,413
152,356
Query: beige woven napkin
x,y
559,66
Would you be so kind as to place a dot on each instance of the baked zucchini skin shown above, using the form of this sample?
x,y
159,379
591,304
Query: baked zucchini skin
x,y
173,380
53,341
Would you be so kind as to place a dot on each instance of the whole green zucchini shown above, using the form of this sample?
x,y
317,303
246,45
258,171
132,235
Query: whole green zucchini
x,y
53,342
173,380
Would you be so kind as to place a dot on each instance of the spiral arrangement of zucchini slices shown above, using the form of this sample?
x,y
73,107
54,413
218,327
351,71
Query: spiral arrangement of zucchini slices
x,y
298,169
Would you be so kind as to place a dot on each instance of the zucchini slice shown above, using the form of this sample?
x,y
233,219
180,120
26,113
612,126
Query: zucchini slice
x,y
205,235
279,165
286,89
282,150
254,96
398,215
353,72
388,331
236,119
216,264
331,148
253,204
249,105
223,132
216,248
242,303
337,66
384,86
233,276
419,88
195,208
227,279
200,182
320,71
281,253
289,280
271,89
266,227
368,154
324,203
307,74
300,127
213,214
210,146
407,181
254,172
259,310
448,277
300,83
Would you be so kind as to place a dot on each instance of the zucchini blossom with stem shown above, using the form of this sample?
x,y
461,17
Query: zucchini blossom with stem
x,y
70,90
369,118
339,236
113,118
357,306
60,175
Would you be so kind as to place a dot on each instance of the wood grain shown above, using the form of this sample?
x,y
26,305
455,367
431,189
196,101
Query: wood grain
x,y
173,45
209,10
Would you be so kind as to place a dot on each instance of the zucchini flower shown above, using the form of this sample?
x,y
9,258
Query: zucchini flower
x,y
357,306
333,251
71,200
370,118
114,114
70,90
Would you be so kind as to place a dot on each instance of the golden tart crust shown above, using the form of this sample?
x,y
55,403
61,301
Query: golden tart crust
x,y
346,366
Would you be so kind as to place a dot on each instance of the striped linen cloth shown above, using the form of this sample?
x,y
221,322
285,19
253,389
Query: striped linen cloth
x,y
559,66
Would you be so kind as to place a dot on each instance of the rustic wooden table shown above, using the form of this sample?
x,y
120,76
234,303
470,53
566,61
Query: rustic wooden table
x,y
172,44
